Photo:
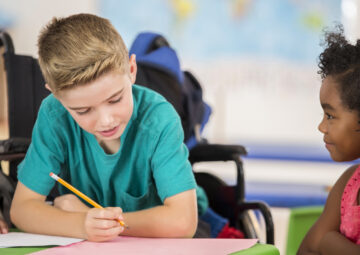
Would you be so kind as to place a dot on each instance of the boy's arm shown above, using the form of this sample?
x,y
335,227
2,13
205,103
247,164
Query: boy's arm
x,y
30,213
177,218
321,235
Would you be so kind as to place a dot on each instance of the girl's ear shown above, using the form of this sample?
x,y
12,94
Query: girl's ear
x,y
133,68
358,125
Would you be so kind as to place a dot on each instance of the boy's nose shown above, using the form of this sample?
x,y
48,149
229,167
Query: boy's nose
x,y
106,120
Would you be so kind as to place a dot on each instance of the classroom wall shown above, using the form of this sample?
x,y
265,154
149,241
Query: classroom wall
x,y
23,19
253,104
254,99
257,62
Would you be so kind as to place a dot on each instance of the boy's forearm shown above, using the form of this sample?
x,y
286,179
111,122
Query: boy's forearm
x,y
37,217
160,221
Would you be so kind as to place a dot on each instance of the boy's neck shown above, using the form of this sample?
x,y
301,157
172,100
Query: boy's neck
x,y
110,147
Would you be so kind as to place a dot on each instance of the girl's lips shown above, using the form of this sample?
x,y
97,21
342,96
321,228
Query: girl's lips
x,y
110,132
328,145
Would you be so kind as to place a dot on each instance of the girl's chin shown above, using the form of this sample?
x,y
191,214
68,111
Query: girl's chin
x,y
339,158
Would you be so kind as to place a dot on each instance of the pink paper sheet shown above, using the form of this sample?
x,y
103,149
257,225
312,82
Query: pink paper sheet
x,y
159,246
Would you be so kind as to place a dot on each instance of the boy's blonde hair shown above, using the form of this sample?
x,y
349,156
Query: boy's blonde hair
x,y
78,49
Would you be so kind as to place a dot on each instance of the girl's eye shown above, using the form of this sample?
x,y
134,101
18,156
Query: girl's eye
x,y
83,112
115,101
328,116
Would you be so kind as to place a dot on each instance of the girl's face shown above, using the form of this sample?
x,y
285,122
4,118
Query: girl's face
x,y
339,125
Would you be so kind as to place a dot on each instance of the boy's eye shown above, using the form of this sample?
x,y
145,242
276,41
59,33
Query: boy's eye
x,y
83,112
115,101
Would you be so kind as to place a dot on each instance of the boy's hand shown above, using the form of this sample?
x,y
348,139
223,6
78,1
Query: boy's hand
x,y
3,227
70,203
102,225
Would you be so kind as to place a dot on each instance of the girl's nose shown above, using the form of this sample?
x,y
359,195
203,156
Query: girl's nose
x,y
322,126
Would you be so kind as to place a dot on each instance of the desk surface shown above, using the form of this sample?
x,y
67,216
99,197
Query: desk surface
x,y
257,249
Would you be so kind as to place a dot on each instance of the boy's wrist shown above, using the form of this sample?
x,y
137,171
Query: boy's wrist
x,y
70,203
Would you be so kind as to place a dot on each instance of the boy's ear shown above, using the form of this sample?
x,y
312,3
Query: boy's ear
x,y
48,87
133,68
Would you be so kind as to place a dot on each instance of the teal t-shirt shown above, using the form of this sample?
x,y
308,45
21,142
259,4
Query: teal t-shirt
x,y
151,164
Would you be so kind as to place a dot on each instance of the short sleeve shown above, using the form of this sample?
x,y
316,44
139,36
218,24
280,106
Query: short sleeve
x,y
170,165
45,155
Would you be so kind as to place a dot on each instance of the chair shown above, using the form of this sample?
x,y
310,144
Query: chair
x,y
25,93
300,221
159,69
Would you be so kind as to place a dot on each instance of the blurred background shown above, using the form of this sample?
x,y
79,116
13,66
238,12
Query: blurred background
x,y
256,61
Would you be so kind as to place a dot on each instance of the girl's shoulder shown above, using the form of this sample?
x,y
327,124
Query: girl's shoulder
x,y
350,171
345,177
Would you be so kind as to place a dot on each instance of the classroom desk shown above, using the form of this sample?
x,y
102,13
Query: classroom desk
x,y
257,249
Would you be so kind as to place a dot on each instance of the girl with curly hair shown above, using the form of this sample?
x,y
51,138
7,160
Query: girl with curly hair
x,y
337,231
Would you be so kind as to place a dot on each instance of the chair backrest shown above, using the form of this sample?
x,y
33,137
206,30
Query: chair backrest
x,y
159,69
25,91
300,221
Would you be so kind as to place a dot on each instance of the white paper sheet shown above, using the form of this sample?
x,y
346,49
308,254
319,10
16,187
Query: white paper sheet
x,y
16,239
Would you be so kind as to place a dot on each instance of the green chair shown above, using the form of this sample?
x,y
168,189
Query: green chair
x,y
259,249
300,221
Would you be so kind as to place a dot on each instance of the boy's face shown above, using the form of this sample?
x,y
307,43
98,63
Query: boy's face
x,y
339,125
102,107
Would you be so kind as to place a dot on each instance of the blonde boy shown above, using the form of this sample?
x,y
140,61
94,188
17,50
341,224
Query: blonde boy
x,y
120,144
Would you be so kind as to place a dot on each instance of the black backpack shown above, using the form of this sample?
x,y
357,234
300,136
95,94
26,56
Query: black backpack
x,y
159,69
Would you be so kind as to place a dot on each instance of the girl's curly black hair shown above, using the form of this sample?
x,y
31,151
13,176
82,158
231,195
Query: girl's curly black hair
x,y
341,60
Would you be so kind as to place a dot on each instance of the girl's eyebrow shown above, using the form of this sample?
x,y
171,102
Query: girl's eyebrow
x,y
327,106
85,107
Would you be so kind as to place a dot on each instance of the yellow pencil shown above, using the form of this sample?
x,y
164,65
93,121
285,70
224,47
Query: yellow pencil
x,y
82,195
